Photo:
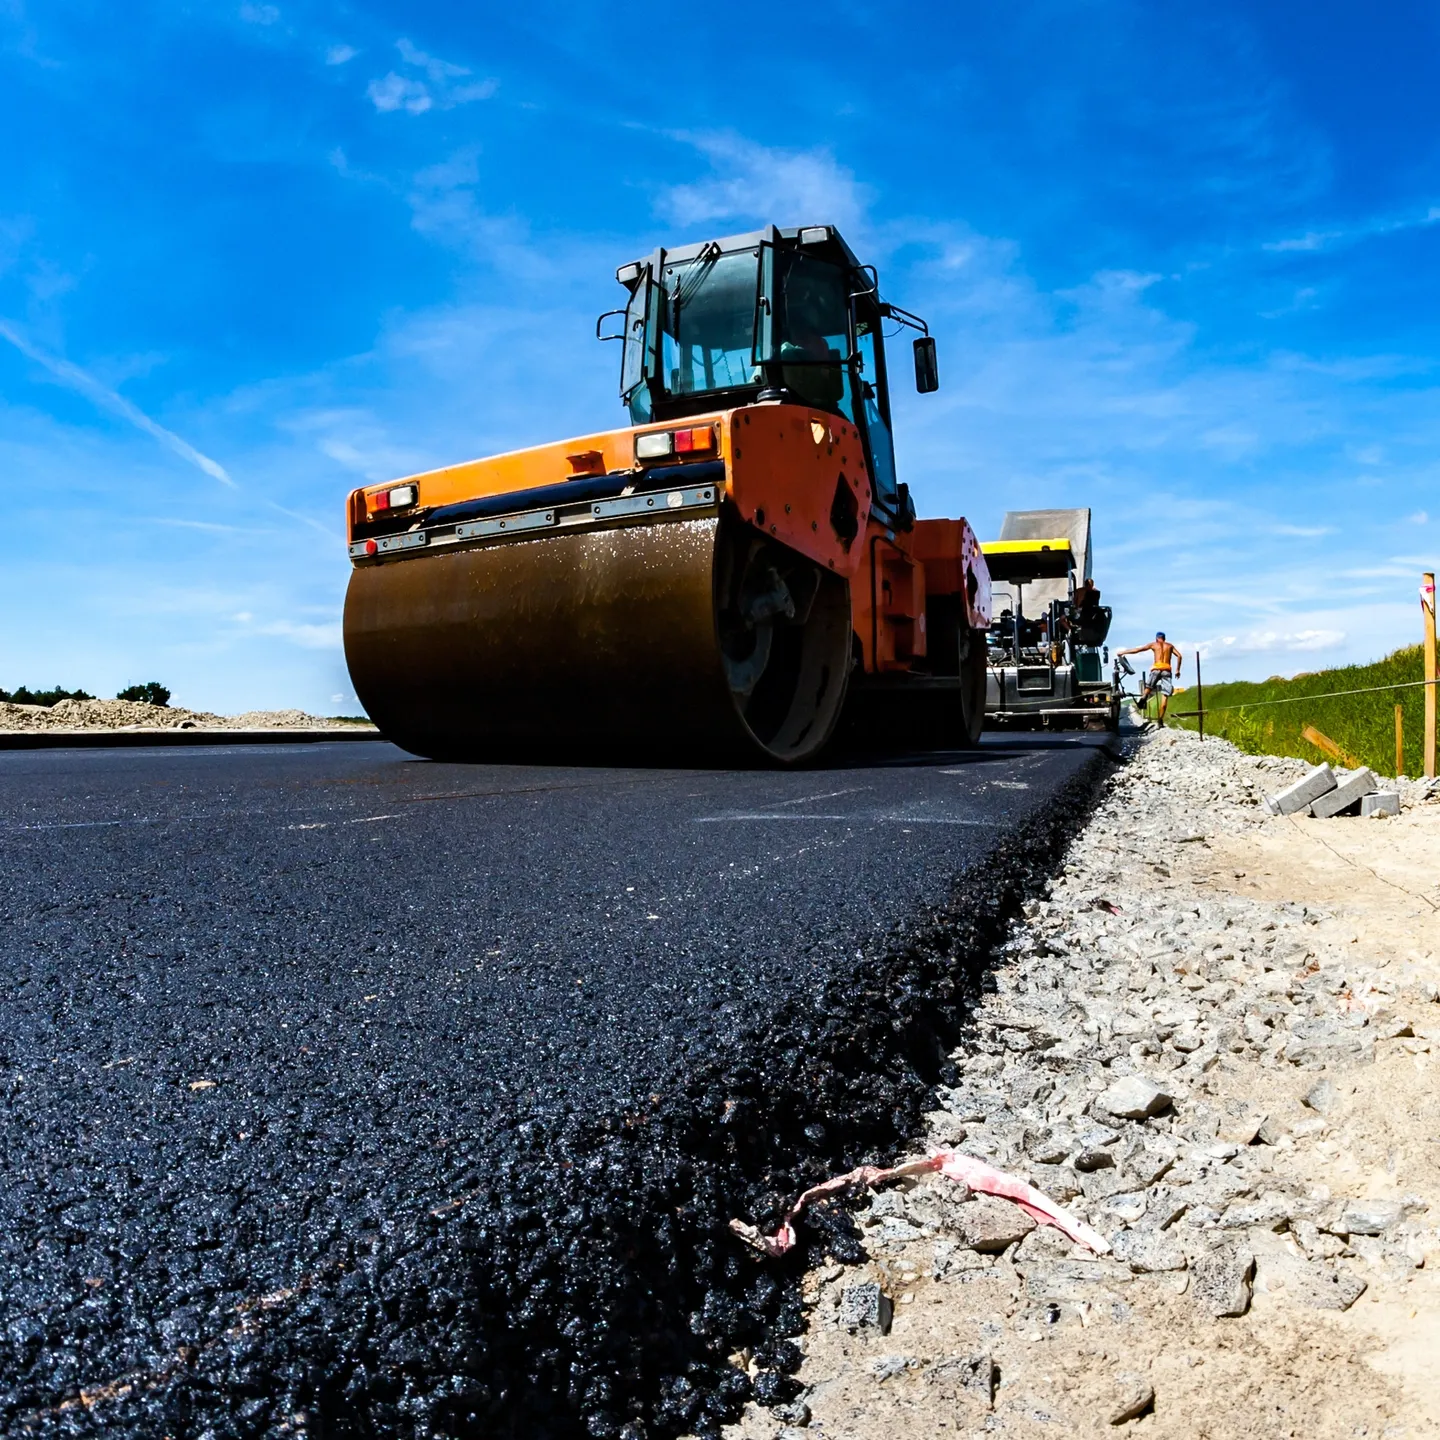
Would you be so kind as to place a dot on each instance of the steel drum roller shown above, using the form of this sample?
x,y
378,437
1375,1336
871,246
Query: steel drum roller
x,y
694,638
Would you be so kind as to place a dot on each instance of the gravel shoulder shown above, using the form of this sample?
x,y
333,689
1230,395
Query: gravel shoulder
x,y
91,715
1267,988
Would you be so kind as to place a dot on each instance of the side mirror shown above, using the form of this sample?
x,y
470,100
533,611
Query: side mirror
x,y
927,368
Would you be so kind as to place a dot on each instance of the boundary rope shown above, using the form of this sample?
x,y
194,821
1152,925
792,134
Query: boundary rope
x,y
1296,699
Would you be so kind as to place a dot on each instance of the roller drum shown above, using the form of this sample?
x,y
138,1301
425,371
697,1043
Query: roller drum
x,y
693,639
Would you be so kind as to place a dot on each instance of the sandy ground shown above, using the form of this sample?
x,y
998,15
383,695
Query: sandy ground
x,y
132,715
1282,956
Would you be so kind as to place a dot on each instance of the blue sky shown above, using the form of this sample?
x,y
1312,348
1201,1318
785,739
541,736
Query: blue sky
x,y
1180,262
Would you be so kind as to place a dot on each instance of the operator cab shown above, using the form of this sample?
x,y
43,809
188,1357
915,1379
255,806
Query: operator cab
x,y
776,316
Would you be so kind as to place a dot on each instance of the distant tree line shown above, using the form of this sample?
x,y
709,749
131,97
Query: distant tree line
x,y
152,692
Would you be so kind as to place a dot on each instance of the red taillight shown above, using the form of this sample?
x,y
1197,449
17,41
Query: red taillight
x,y
400,497
371,547
657,444
687,442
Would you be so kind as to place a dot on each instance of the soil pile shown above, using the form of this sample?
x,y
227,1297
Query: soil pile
x,y
134,715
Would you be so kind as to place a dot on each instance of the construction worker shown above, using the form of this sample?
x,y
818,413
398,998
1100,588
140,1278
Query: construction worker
x,y
1160,680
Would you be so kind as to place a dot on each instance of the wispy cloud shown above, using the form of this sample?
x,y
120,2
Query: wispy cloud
x,y
1266,642
1304,532
440,87
761,183
107,399
1352,234
324,636
340,54
260,14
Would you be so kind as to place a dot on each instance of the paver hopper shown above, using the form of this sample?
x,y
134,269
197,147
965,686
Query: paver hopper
x,y
736,573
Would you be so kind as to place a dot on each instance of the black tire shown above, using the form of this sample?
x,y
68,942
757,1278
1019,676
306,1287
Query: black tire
x,y
972,688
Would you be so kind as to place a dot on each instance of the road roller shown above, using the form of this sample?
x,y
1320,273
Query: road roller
x,y
735,576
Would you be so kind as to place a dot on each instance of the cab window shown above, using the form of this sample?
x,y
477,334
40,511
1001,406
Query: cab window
x,y
874,404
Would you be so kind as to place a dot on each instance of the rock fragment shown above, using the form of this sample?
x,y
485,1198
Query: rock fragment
x,y
1321,1287
1148,1252
1370,1217
887,1367
1134,1098
865,1306
991,1225
1221,1281
1244,1130
975,1374
1137,1398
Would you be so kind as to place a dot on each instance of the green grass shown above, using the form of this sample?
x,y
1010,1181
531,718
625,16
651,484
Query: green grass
x,y
1362,725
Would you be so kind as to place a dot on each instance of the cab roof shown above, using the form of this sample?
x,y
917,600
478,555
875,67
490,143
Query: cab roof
x,y
826,240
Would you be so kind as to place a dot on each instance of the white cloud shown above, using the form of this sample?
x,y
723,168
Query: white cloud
x,y
77,379
259,14
438,70
1305,532
758,183
1266,642
340,54
397,92
437,90
1420,517
326,636
357,441
1353,234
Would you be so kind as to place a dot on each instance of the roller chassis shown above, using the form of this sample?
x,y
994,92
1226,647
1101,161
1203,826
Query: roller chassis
x,y
752,594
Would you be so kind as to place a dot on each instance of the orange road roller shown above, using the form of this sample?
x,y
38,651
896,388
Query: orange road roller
x,y
736,575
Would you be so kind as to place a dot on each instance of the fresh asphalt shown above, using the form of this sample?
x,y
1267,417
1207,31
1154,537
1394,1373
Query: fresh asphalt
x,y
256,999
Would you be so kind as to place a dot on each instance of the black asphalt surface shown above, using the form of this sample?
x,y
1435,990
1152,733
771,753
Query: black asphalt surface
x,y
352,1094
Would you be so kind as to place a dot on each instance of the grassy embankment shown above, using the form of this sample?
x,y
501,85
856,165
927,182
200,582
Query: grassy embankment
x,y
1362,725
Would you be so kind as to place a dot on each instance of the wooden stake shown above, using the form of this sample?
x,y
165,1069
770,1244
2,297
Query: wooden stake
x,y
1399,740
1326,746
1427,604
1199,694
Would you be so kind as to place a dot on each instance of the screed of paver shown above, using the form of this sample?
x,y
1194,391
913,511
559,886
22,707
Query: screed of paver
x,y
1277,976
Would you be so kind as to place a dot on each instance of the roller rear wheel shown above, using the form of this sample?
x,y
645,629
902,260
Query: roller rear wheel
x,y
970,711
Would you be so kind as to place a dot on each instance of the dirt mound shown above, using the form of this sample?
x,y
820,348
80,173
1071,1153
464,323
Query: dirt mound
x,y
134,715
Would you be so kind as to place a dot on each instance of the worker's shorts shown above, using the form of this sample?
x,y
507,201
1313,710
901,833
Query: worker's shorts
x,y
1158,682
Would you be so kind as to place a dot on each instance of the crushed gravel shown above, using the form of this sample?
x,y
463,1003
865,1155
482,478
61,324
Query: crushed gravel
x,y
1210,1038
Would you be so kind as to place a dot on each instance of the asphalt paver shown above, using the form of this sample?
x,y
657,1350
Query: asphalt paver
x,y
352,1094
